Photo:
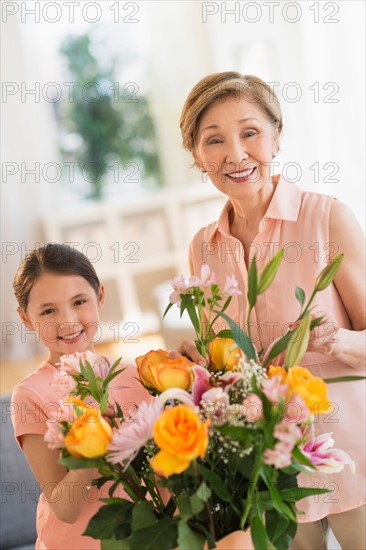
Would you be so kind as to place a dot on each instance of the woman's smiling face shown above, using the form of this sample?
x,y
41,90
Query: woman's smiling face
x,y
235,144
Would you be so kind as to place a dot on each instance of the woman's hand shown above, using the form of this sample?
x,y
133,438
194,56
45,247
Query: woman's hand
x,y
324,338
188,349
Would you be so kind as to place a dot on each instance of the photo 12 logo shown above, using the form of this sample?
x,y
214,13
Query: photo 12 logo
x,y
52,12
254,12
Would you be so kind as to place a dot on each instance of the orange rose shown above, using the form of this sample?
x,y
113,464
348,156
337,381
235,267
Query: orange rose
x,y
225,354
157,371
89,435
182,437
275,370
312,389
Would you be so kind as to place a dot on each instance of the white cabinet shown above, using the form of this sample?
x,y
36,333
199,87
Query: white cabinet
x,y
135,248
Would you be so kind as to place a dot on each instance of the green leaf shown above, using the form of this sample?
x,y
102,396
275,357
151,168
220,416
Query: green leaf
x,y
297,348
274,494
279,347
268,272
203,492
327,275
259,534
252,283
167,309
113,372
196,504
216,484
111,521
113,500
300,295
240,337
225,333
294,494
239,433
276,524
188,539
94,390
187,304
343,379
162,535
302,459
74,463
184,506
143,515
119,411
113,544
104,401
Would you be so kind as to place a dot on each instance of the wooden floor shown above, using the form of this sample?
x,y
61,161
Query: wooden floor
x,y
12,373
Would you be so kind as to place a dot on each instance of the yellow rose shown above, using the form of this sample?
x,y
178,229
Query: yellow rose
x,y
157,371
275,370
225,354
182,437
312,389
89,435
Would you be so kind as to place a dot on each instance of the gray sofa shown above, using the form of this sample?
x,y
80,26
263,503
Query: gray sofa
x,y
19,489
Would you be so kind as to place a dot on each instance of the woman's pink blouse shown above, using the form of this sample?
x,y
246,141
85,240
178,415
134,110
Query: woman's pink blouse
x,y
297,221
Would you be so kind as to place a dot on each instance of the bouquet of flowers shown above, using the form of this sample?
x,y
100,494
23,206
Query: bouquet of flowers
x,y
213,450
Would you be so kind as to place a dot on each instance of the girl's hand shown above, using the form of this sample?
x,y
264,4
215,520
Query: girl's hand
x,y
188,349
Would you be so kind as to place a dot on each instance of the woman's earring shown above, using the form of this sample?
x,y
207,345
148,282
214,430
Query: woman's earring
x,y
274,154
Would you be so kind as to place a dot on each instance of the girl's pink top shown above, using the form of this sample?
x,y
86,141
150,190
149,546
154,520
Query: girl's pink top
x,y
34,400
297,221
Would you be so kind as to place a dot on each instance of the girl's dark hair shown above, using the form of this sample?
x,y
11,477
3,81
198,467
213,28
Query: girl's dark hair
x,y
51,258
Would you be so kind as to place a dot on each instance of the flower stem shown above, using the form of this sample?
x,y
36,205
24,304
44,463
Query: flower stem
x,y
248,324
307,305
252,489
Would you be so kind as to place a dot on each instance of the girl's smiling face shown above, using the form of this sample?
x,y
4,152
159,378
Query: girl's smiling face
x,y
235,144
63,310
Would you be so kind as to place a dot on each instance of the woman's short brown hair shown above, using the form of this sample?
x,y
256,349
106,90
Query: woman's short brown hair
x,y
220,86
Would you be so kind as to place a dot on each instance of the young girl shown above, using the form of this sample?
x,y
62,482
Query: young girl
x,y
59,297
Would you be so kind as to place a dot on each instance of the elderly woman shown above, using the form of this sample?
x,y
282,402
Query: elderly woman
x,y
232,125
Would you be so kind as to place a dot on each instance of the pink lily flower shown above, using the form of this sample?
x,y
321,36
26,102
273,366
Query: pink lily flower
x,y
201,383
326,459
215,403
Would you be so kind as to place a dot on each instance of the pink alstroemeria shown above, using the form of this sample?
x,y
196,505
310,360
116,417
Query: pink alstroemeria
x,y
326,459
231,286
207,278
180,287
279,457
71,363
288,434
296,410
128,439
274,390
253,408
54,436
63,382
